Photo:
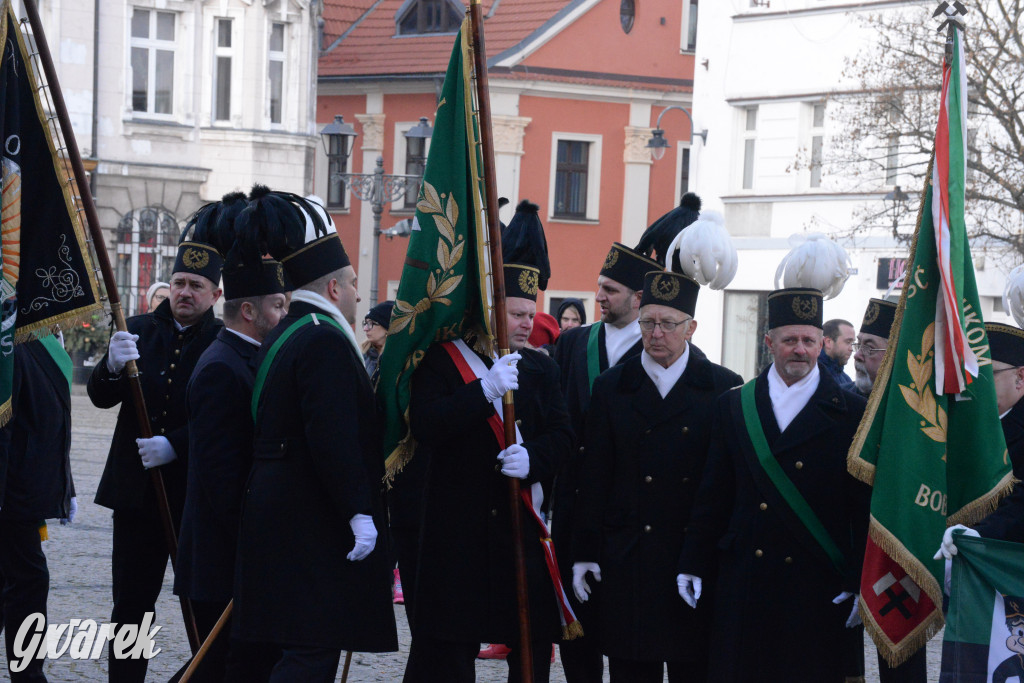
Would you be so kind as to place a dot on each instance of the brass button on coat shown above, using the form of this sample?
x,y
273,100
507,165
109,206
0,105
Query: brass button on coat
x,y
758,553
763,506
789,560
648,479
799,465
647,528
686,430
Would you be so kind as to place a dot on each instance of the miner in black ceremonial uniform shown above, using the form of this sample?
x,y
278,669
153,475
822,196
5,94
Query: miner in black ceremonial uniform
x,y
167,344
35,485
647,436
583,353
312,576
465,579
220,431
777,515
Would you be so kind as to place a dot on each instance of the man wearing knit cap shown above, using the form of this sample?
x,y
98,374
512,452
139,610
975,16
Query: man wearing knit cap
x,y
582,354
167,343
778,519
220,445
648,430
465,572
311,576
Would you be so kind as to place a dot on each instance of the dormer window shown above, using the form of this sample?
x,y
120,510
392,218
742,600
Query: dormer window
x,y
417,17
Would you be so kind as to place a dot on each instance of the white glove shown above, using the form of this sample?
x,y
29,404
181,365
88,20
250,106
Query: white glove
x,y
72,511
689,588
156,451
501,378
579,578
854,618
366,537
948,547
947,577
122,349
515,462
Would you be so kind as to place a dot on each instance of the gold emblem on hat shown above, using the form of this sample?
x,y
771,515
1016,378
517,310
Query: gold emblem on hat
x,y
871,315
664,288
280,274
611,259
529,282
805,309
196,259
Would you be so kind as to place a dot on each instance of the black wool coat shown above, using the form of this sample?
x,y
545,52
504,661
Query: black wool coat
x,y
167,357
1007,522
465,583
638,480
220,432
317,463
773,611
35,444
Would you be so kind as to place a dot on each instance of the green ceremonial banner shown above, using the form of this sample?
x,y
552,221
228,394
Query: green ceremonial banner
x,y
46,275
442,293
932,459
984,639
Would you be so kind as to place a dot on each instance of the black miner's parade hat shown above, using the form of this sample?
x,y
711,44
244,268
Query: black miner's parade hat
x,y
627,267
878,318
525,252
675,290
795,306
294,230
198,258
1006,343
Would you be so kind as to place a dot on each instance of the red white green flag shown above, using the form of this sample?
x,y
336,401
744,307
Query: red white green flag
x,y
930,443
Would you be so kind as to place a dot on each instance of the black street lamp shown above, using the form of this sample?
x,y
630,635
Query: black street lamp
x,y
894,202
377,188
658,144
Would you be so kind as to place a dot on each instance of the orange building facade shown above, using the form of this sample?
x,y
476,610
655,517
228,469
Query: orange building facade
x,y
574,98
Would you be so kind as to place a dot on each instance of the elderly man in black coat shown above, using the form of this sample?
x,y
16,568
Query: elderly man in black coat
x,y
777,516
311,575
220,431
582,353
465,577
167,344
647,437
35,485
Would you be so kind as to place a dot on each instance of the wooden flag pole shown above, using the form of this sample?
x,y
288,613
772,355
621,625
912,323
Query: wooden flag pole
x,y
501,326
110,284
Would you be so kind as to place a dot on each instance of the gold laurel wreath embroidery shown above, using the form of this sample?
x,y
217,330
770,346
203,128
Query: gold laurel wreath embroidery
x,y
194,258
919,395
450,250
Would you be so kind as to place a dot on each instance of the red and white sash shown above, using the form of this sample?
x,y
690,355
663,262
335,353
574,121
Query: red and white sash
x,y
471,367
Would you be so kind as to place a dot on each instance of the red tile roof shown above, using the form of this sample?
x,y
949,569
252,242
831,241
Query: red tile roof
x,y
372,48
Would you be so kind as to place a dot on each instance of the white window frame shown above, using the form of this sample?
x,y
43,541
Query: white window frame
x,y
232,54
152,44
593,175
400,157
681,147
277,56
745,136
816,132
684,29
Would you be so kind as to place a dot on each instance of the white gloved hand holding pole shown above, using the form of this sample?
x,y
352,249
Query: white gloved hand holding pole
x,y
948,547
579,578
72,511
122,348
854,618
366,537
515,462
689,588
156,451
501,378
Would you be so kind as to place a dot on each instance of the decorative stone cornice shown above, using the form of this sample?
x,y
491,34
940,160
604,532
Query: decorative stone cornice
x,y
373,131
509,132
635,150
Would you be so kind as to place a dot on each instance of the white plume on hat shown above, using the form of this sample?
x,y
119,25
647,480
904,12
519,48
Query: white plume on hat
x,y
1013,295
705,250
318,206
815,261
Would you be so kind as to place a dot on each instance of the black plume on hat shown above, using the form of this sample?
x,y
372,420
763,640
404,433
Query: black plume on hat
x,y
657,238
523,241
275,223
214,224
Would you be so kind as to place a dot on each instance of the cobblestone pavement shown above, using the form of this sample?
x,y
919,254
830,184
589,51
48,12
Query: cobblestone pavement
x,y
79,560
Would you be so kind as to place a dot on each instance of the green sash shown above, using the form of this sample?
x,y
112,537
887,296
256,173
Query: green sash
x,y
784,484
53,347
593,354
268,360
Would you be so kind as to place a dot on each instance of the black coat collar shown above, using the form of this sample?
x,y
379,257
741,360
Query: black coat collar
x,y
823,408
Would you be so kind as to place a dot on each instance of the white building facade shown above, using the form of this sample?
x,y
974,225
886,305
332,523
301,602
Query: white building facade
x,y
765,88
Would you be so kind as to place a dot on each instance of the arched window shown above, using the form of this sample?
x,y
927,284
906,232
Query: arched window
x,y
146,241
416,17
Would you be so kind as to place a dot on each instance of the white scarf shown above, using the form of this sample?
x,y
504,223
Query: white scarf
x,y
665,378
324,304
788,401
618,340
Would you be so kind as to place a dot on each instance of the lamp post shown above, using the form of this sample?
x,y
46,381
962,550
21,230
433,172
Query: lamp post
x,y
378,188
894,202
658,144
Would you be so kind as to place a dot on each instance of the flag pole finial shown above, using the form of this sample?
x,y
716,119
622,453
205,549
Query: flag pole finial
x,y
952,14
